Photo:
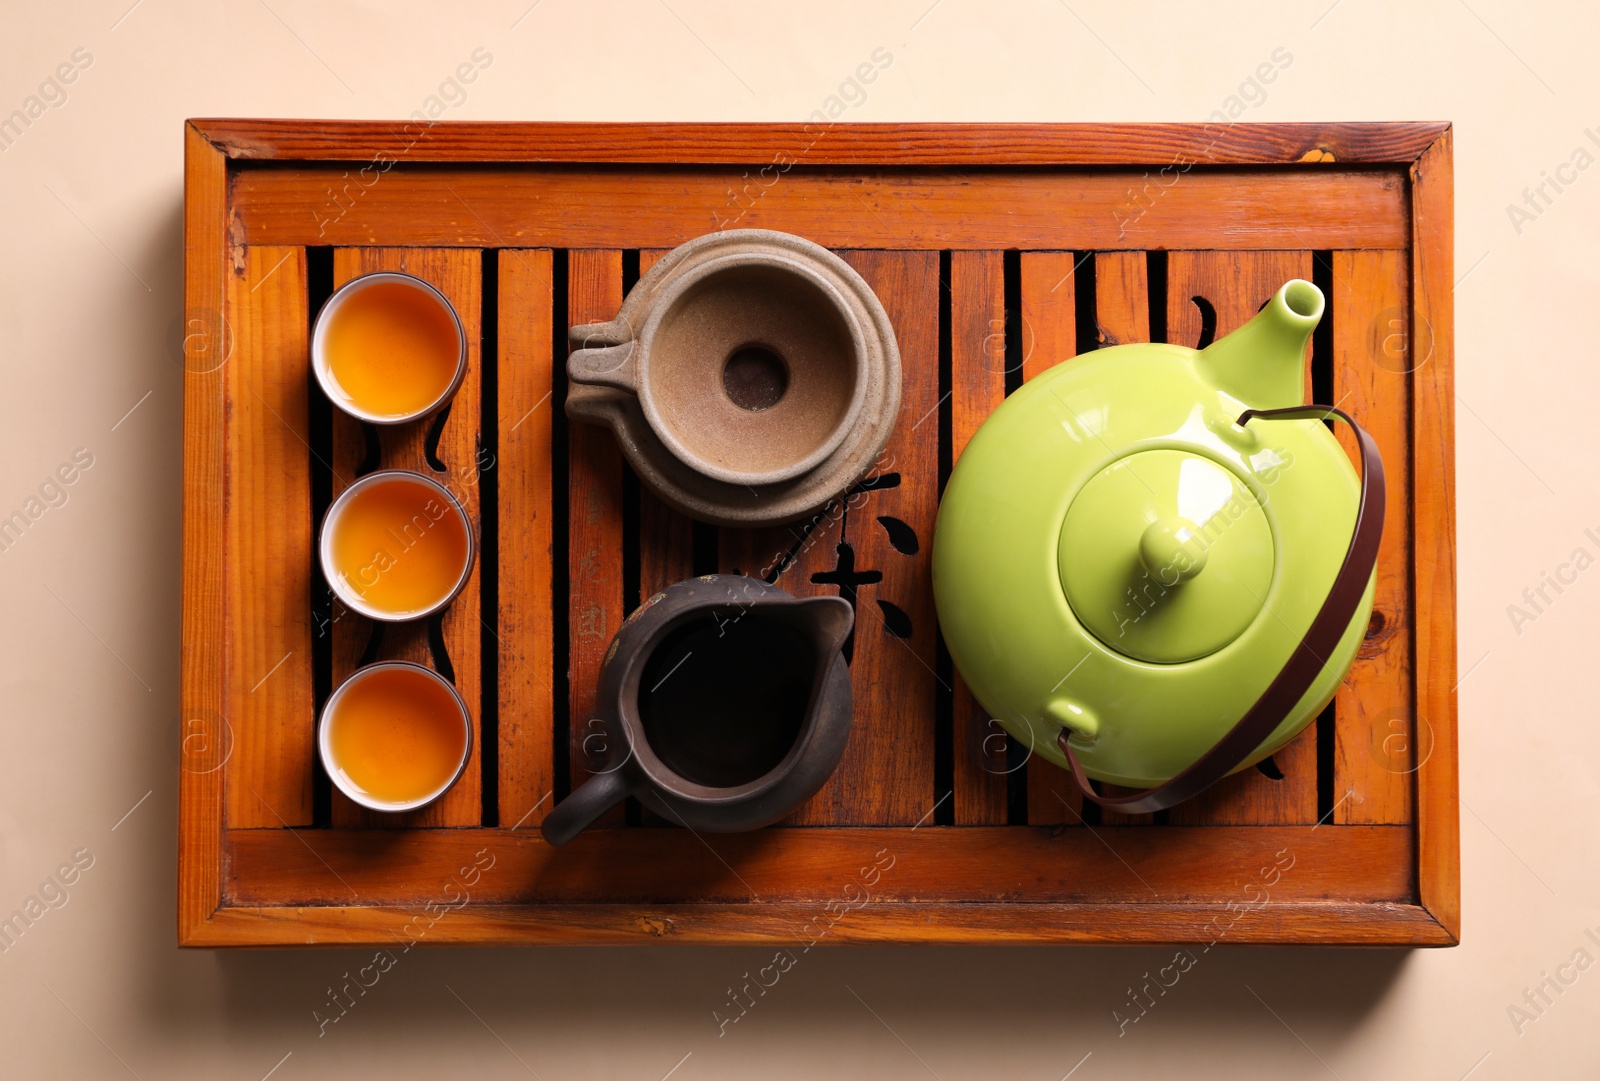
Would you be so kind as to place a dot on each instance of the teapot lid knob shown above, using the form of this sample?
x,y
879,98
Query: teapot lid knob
x,y
1171,549
1135,540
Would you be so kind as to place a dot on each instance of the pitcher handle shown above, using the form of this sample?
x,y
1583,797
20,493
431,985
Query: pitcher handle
x,y
1305,664
587,802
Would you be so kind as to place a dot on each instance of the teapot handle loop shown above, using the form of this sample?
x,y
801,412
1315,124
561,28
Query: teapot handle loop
x,y
1307,661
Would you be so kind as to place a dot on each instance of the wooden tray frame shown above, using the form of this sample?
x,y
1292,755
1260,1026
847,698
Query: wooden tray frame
x,y
1383,187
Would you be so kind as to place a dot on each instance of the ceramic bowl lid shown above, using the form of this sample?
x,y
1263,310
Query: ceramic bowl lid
x,y
1166,556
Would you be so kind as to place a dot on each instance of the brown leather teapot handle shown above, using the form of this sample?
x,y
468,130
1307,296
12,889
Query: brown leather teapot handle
x,y
1309,657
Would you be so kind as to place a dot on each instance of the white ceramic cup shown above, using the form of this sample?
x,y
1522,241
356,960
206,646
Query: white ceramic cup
x,y
319,351
330,718
345,590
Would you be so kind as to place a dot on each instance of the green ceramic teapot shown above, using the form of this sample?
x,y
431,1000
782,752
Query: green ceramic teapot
x,y
1154,565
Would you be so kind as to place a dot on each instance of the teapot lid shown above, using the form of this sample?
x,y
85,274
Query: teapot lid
x,y
1166,556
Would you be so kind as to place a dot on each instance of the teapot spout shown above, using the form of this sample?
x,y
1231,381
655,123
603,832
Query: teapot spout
x,y
1263,362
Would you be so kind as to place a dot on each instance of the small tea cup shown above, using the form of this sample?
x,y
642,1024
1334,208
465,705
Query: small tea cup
x,y
395,736
371,529
394,312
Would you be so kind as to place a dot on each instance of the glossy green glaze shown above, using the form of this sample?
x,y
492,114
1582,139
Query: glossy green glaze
x,y
1116,556
1145,576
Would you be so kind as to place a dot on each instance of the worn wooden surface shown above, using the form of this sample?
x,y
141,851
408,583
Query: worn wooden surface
x,y
1433,479
786,924
845,144
206,737
1173,865
594,533
589,207
269,534
1377,748
886,774
1380,868
527,376
1049,309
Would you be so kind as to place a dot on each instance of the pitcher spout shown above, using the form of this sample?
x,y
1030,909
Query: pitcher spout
x,y
830,620
1263,362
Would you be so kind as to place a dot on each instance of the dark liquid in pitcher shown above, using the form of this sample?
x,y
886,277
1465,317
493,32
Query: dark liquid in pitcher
x,y
723,702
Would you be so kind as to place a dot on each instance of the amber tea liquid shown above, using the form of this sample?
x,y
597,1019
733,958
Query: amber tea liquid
x,y
392,348
400,546
397,735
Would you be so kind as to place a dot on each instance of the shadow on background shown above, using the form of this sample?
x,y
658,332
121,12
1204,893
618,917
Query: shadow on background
x,y
955,1008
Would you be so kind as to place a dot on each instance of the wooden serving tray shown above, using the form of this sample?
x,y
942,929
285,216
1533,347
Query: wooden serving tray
x,y
997,250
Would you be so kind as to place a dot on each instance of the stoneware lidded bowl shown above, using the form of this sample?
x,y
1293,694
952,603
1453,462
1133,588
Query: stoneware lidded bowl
x,y
750,377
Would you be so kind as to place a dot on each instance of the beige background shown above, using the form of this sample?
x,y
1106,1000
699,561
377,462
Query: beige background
x,y
89,302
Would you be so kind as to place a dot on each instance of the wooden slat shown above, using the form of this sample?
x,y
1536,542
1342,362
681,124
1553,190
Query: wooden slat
x,y
1122,298
1376,743
886,775
1049,336
666,545
1126,868
1122,316
1236,285
838,144
977,386
594,531
1053,796
1337,923
204,734
269,694
1049,310
458,274
603,207
1434,516
649,257
526,666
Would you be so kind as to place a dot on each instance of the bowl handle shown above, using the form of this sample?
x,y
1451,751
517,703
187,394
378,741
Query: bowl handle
x,y
607,366
1307,661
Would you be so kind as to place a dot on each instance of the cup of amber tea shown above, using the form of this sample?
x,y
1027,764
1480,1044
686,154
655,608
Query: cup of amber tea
x,y
388,348
396,546
395,736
